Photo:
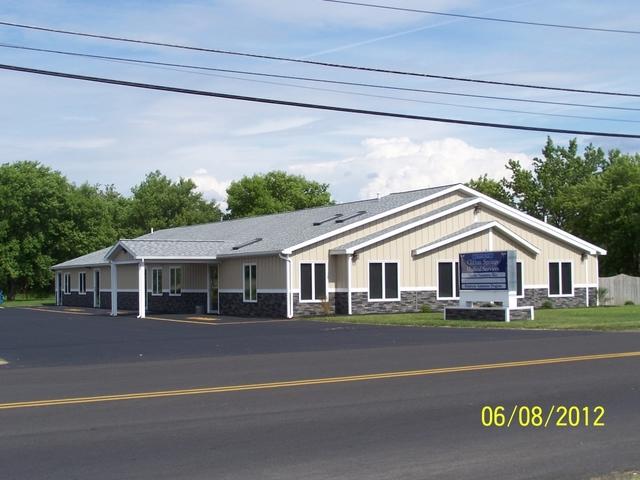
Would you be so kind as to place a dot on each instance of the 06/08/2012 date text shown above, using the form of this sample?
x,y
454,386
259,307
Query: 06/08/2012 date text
x,y
535,416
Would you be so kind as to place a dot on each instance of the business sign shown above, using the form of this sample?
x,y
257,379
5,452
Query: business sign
x,y
487,270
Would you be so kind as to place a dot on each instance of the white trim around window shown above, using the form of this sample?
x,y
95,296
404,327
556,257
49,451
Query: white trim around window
x,y
384,298
253,280
175,283
314,298
67,283
560,278
156,282
454,283
82,283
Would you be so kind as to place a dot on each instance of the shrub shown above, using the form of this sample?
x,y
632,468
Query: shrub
x,y
603,297
629,302
326,307
546,304
425,308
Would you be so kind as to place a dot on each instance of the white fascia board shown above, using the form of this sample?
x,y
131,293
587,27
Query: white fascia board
x,y
404,228
534,222
249,254
80,265
469,233
346,228
175,259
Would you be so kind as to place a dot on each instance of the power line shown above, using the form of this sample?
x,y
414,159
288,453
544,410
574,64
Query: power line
x,y
314,62
315,79
315,106
181,68
489,19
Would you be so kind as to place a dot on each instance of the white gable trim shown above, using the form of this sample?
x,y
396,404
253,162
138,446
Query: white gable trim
x,y
115,247
404,228
534,222
515,237
346,228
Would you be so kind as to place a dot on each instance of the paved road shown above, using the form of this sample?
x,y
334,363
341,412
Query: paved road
x,y
418,427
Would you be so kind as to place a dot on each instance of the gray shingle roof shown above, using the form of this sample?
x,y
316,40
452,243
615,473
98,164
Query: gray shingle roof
x,y
283,230
172,248
93,258
425,216
276,232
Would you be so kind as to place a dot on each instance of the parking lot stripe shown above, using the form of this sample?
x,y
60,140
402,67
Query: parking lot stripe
x,y
312,381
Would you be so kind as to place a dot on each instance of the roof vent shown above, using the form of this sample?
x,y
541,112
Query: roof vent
x,y
246,244
353,215
333,217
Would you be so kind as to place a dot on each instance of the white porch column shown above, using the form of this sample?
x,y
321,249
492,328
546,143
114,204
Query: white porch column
x,y
57,288
114,289
142,291
349,261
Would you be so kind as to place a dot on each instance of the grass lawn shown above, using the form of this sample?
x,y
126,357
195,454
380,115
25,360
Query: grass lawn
x,y
32,301
596,318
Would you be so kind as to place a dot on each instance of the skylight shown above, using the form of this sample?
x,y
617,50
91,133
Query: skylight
x,y
333,217
246,244
353,215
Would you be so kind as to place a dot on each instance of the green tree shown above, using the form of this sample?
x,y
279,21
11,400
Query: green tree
x,y
492,188
159,202
34,203
605,209
274,192
539,191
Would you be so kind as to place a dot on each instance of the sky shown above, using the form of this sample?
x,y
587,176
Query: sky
x,y
108,134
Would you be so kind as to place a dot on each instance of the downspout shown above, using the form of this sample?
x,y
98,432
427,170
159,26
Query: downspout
x,y
349,261
287,259
586,274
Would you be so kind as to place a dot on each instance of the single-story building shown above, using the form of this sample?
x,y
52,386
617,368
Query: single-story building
x,y
395,253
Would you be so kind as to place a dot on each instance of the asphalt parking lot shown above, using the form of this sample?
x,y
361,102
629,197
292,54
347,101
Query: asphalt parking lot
x,y
168,397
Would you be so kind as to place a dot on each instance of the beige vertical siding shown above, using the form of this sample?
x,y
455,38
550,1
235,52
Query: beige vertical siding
x,y
270,271
320,252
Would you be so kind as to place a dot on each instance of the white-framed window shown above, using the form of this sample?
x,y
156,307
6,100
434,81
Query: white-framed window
x,y
313,282
383,281
82,283
249,289
560,279
448,280
519,281
175,285
156,281
67,284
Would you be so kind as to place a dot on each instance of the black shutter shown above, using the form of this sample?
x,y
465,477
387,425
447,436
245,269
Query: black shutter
x,y
391,280
554,279
567,281
321,282
519,291
375,280
445,280
305,281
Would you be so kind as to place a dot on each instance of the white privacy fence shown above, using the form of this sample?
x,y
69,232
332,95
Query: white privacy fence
x,y
621,288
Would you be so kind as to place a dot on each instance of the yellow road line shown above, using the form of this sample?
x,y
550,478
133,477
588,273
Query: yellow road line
x,y
51,310
312,381
216,323
3,361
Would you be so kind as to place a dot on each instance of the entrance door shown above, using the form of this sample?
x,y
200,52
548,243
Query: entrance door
x,y
213,289
59,291
96,289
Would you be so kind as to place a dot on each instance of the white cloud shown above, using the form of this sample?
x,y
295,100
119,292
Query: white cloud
x,y
400,163
210,186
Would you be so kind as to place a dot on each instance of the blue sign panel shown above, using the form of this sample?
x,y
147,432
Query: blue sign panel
x,y
484,271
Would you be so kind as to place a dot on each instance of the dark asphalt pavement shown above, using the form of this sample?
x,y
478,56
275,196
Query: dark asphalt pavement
x,y
410,428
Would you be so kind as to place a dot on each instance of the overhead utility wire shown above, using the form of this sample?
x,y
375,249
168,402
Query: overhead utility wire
x,y
313,79
314,62
315,106
361,94
489,19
